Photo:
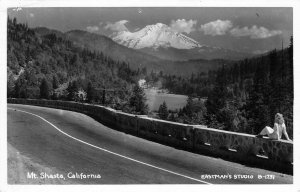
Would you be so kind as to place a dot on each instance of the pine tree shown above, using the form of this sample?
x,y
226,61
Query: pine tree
x,y
17,90
138,100
75,61
290,77
54,82
90,92
217,101
189,108
44,89
278,87
290,95
163,111
72,89
257,107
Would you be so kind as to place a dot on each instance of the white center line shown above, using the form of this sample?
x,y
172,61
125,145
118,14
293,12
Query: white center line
x,y
125,157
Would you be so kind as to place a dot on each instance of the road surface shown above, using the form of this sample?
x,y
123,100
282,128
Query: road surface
x,y
50,146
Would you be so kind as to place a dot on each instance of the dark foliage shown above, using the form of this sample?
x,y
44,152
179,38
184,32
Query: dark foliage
x,y
243,97
138,101
44,90
163,112
90,92
33,58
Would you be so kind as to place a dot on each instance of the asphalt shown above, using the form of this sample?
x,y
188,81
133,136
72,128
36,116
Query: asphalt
x,y
63,142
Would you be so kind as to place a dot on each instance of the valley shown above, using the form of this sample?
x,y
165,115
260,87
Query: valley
x,y
156,97
192,58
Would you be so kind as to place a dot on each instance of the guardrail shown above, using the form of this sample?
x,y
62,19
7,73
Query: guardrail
x,y
261,152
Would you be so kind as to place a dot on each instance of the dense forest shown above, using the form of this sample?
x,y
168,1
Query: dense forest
x,y
243,97
52,67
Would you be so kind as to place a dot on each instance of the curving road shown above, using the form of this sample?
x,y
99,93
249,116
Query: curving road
x,y
57,143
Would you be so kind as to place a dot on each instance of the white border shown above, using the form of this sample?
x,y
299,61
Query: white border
x,y
4,4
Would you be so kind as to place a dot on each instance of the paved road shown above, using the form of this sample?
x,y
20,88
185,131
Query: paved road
x,y
62,143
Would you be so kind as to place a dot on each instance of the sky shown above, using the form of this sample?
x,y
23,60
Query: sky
x,y
254,30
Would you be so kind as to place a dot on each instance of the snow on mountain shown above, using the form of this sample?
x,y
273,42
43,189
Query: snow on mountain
x,y
154,36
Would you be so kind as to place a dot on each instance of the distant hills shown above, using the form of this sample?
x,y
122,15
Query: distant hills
x,y
100,43
204,52
169,59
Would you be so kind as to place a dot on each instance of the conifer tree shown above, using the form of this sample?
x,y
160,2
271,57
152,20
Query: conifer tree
x,y
90,92
290,78
72,89
138,101
163,111
257,108
44,89
278,86
54,82
189,108
17,90
217,100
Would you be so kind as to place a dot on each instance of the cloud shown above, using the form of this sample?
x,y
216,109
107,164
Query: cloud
x,y
92,29
254,32
117,26
218,27
31,15
181,25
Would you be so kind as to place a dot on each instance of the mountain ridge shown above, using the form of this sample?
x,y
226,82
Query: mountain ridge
x,y
161,41
158,35
137,58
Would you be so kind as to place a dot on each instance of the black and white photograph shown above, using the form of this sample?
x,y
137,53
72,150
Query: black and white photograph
x,y
118,95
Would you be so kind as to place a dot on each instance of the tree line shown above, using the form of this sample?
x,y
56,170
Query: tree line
x,y
243,97
52,67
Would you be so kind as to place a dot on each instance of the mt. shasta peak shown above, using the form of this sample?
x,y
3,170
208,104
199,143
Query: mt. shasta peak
x,y
154,36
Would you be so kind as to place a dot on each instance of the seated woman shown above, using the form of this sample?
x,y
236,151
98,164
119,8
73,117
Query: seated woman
x,y
276,132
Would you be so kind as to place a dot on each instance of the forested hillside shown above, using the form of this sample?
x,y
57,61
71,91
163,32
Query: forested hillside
x,y
53,65
137,59
243,97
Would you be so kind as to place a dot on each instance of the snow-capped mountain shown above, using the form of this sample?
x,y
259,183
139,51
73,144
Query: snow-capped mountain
x,y
161,41
154,36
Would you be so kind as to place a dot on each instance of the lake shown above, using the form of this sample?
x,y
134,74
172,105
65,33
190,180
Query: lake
x,y
155,98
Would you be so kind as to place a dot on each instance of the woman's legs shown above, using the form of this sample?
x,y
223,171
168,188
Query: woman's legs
x,y
266,131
